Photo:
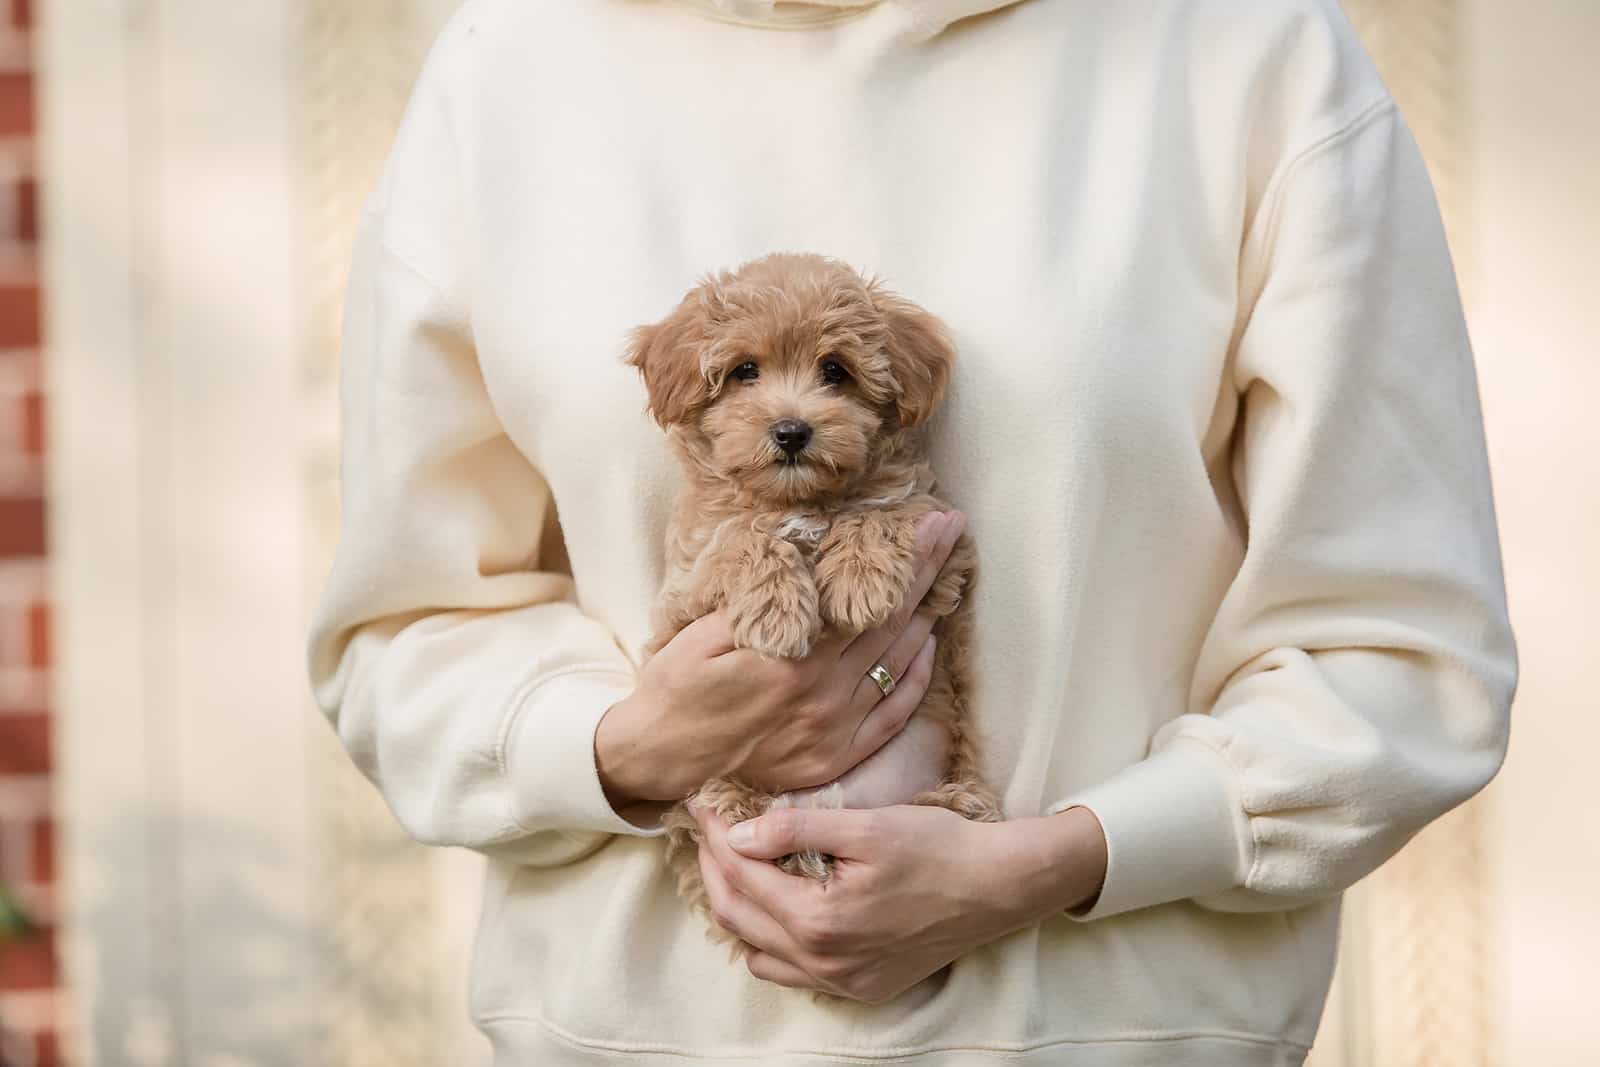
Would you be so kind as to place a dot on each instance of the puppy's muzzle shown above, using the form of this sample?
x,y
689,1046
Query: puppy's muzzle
x,y
791,435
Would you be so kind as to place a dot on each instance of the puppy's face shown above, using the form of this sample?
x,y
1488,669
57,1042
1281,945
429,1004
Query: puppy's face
x,y
791,375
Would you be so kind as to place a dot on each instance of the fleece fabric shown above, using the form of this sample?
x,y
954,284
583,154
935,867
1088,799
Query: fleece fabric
x,y
1214,422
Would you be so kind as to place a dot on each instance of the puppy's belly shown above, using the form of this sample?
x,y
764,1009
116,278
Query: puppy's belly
x,y
913,761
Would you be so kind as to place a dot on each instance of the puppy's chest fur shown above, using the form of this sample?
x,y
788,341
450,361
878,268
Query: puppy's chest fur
x,y
804,528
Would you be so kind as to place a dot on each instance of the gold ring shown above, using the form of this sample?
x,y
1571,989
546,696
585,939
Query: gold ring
x,y
881,675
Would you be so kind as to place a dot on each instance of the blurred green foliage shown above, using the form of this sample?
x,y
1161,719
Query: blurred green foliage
x,y
14,922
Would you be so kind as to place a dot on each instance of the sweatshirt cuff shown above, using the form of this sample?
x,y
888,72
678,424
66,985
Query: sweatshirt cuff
x,y
1174,826
549,757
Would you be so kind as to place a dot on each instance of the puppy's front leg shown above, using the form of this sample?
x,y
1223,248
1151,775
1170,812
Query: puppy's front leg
x,y
769,594
865,564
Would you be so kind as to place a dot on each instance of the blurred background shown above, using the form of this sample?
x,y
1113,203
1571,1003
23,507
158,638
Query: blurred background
x,y
190,871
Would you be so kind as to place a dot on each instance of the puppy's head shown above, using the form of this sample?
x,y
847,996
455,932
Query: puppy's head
x,y
792,376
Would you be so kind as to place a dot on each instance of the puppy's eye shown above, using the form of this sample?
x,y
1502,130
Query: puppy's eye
x,y
747,372
833,372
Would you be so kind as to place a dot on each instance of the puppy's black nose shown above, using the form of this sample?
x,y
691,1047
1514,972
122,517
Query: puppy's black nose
x,y
791,435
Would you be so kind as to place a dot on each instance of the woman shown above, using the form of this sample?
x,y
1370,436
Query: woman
x,y
1241,622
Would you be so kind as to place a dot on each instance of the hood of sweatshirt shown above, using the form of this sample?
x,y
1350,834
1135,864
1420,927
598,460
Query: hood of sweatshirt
x,y
928,17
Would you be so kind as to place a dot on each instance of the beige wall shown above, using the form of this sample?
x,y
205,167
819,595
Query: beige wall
x,y
1536,324
232,891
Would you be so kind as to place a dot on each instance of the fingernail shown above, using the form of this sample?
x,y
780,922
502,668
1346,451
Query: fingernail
x,y
956,521
741,835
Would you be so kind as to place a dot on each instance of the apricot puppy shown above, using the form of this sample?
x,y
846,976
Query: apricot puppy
x,y
793,391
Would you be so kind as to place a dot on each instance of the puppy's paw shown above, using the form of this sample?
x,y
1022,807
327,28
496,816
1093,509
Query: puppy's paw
x,y
786,636
862,577
855,600
965,799
779,619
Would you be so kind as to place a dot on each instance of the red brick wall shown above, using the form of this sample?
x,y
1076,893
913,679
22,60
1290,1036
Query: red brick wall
x,y
28,972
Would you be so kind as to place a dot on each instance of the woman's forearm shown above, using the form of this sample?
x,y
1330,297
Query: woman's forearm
x,y
1051,864
628,754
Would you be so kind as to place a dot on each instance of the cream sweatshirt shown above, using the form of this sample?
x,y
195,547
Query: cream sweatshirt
x,y
1214,422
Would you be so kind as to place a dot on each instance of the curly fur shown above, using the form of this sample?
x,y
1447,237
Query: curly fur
x,y
824,541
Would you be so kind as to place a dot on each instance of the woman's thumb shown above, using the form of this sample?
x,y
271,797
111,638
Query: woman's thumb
x,y
778,833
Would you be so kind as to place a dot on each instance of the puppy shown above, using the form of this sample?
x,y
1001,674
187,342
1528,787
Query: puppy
x,y
793,391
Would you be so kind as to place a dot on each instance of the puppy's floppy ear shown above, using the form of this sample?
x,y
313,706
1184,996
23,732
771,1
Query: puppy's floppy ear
x,y
920,355
667,355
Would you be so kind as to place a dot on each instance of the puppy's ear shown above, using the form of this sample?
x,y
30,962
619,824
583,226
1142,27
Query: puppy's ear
x,y
920,356
667,355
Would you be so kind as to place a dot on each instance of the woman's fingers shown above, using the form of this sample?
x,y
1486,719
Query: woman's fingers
x,y
737,913
897,661
844,833
948,533
889,715
732,905
710,635
770,968
869,646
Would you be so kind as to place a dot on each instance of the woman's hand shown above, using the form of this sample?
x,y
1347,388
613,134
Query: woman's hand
x,y
704,709
913,889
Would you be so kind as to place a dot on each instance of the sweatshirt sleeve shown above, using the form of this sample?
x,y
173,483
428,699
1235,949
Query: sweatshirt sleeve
x,y
1356,681
448,647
